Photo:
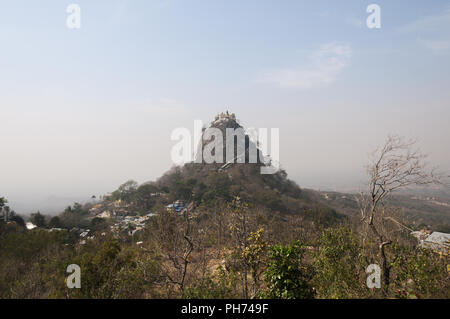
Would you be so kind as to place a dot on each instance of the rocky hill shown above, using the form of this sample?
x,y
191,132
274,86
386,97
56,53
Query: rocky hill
x,y
207,184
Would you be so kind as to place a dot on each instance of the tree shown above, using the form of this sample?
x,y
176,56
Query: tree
x,y
337,264
175,236
98,224
55,222
254,258
395,166
79,209
38,219
248,258
98,270
3,208
17,219
219,186
181,190
240,233
6,213
286,276
144,198
126,191
422,273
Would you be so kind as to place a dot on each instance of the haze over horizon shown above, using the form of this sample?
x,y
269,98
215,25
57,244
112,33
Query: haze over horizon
x,y
85,110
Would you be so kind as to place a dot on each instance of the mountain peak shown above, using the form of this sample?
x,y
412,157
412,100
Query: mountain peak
x,y
241,142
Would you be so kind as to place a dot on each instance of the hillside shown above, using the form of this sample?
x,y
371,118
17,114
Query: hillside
x,y
430,210
209,185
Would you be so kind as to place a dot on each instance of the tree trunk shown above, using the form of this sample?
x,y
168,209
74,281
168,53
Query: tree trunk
x,y
385,269
245,285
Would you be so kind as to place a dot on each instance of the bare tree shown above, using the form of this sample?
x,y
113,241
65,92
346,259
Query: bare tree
x,y
188,248
175,237
398,164
240,233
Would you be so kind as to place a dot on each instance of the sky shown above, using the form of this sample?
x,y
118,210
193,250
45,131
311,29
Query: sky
x,y
84,110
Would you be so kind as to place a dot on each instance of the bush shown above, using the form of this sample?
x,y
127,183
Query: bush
x,y
337,265
286,277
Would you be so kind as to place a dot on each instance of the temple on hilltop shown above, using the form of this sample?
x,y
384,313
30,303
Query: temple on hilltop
x,y
224,116
224,121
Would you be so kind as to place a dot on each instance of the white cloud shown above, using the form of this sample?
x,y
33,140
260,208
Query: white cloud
x,y
325,65
433,31
438,22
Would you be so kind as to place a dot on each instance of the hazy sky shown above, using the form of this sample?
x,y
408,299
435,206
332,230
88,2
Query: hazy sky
x,y
83,110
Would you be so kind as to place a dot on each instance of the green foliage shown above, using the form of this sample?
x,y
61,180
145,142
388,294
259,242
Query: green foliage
x,y
210,288
249,256
126,191
25,245
421,274
337,265
179,188
144,198
271,200
218,184
3,202
76,216
253,254
229,237
79,209
287,277
98,224
55,222
13,217
38,219
26,258
114,271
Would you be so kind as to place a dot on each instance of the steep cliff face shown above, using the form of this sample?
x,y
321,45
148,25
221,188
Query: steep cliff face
x,y
225,143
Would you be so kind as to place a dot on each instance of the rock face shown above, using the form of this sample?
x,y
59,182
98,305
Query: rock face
x,y
243,150
436,241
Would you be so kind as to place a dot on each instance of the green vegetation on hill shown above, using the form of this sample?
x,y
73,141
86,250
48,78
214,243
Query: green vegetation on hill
x,y
202,231
235,251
